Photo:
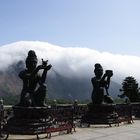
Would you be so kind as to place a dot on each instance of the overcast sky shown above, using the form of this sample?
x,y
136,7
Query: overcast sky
x,y
104,25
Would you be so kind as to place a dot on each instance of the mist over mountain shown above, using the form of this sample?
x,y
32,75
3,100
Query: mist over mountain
x,y
59,86
73,67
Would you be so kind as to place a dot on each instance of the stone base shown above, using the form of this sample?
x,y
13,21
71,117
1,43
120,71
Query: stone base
x,y
28,120
100,114
29,112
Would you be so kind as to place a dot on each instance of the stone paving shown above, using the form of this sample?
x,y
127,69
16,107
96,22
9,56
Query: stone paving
x,y
94,132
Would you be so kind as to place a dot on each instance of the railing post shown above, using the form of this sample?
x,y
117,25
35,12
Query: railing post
x,y
1,116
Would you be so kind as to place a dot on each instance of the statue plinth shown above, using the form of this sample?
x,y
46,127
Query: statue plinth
x,y
29,112
28,121
100,114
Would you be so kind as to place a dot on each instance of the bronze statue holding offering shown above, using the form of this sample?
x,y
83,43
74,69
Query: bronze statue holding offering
x,y
100,85
34,89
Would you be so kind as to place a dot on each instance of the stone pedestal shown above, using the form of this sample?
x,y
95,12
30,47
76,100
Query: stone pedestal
x,y
100,114
27,121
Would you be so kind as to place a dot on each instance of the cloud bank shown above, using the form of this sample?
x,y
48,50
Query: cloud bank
x,y
72,61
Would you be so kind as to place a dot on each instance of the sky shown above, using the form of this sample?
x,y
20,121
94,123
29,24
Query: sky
x,y
104,25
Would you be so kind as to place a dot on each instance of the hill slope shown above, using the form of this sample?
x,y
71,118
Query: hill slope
x,y
59,87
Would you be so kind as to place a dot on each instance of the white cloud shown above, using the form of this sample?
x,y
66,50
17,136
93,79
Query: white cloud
x,y
72,61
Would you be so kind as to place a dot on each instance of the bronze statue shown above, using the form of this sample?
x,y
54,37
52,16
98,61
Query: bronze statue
x,y
100,85
34,89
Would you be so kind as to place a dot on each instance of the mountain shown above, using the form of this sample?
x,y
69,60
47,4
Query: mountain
x,y
70,76
59,86
75,88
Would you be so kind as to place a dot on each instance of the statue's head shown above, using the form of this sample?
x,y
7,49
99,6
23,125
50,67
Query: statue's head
x,y
31,60
98,70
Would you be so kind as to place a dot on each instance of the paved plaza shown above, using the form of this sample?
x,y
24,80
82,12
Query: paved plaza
x,y
94,132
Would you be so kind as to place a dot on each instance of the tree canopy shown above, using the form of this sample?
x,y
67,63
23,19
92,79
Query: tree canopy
x,y
130,89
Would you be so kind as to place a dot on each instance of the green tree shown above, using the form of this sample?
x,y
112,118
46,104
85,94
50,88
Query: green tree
x,y
130,89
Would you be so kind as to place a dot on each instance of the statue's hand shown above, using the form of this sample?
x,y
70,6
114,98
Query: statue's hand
x,y
109,73
49,67
105,75
39,67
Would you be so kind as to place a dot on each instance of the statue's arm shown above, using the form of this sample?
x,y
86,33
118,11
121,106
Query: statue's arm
x,y
36,70
103,78
23,75
95,83
108,82
44,74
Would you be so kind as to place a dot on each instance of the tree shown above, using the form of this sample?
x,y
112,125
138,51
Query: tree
x,y
130,89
